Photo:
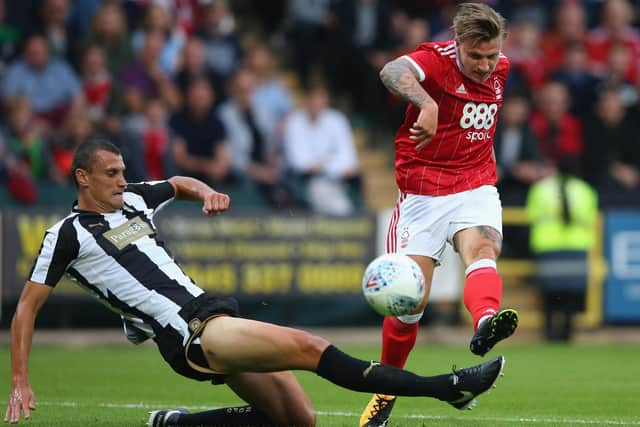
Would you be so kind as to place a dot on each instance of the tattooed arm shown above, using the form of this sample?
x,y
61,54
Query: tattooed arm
x,y
401,79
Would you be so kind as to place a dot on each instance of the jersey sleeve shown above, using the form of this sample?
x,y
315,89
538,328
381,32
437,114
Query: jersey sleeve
x,y
154,193
425,62
59,248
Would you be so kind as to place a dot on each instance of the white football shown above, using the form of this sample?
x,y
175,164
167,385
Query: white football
x,y
393,285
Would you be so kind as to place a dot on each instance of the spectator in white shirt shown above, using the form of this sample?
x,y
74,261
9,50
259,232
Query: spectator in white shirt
x,y
319,150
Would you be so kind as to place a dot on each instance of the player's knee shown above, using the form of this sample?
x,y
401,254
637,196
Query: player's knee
x,y
309,348
485,249
488,251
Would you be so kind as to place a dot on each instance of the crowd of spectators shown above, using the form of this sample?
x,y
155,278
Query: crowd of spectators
x,y
208,88
573,94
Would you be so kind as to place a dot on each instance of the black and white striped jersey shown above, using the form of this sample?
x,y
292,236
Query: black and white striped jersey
x,y
118,257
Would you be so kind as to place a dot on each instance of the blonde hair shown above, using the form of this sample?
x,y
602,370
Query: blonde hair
x,y
477,22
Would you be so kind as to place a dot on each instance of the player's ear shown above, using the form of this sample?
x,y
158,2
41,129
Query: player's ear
x,y
82,177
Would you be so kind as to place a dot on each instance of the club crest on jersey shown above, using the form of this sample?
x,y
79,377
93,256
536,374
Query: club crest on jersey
x,y
497,87
404,238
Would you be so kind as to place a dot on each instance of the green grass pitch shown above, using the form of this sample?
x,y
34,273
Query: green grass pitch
x,y
544,385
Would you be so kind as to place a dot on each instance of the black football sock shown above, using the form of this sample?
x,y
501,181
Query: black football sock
x,y
373,377
246,416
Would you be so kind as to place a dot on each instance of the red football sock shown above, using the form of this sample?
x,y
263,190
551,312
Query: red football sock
x,y
482,293
398,339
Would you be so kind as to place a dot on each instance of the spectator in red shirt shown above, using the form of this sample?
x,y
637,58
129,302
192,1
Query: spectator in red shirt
x,y
102,92
525,54
559,132
617,16
77,129
155,139
570,28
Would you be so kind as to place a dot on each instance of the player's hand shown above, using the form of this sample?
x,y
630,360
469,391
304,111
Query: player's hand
x,y
425,126
21,399
215,203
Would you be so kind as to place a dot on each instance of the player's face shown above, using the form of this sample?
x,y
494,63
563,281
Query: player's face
x,y
479,59
105,182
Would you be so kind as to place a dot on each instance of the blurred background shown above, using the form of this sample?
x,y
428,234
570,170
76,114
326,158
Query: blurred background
x,y
279,104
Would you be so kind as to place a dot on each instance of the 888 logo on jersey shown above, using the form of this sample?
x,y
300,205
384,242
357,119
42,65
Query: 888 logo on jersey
x,y
479,118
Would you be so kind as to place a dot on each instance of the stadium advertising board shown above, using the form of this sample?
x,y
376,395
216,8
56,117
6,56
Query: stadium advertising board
x,y
301,255
234,255
622,248
22,235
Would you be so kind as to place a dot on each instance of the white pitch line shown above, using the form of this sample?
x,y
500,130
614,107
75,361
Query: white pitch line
x,y
142,405
498,419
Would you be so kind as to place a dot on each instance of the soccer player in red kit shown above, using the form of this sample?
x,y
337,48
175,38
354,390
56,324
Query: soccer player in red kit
x,y
446,174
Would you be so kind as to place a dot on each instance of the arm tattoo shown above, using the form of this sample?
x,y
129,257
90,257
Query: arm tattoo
x,y
398,77
490,233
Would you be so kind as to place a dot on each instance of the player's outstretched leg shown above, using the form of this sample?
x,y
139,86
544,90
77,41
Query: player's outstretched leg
x,y
236,345
494,329
458,388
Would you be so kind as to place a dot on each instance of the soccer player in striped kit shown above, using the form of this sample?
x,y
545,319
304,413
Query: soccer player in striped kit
x,y
446,174
109,245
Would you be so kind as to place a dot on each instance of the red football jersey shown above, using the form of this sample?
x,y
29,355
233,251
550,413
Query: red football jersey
x,y
460,155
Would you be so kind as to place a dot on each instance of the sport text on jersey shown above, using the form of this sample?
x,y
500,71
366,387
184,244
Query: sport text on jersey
x,y
481,117
128,232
